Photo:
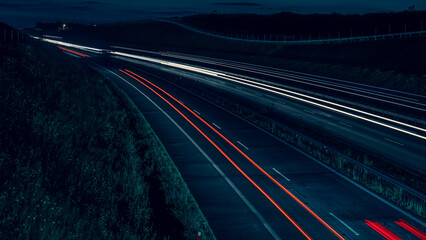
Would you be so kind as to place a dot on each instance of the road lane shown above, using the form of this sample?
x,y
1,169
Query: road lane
x,y
303,177
368,136
215,120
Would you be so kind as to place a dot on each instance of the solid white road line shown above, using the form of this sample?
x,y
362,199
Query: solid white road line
x,y
282,175
344,224
392,141
197,112
242,145
216,126
344,124
241,195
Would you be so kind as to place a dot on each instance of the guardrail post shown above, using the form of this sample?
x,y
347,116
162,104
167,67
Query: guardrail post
x,y
4,37
11,35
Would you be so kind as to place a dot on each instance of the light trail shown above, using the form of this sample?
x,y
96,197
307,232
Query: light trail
x,y
262,87
225,155
128,72
313,82
90,49
74,52
386,233
411,229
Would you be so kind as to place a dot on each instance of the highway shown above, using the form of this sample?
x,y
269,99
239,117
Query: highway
x,y
249,184
397,140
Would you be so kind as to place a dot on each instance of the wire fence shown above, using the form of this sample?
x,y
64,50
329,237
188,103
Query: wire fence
x,y
11,36
300,39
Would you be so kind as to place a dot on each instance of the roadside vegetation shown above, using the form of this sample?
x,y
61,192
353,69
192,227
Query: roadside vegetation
x,y
78,160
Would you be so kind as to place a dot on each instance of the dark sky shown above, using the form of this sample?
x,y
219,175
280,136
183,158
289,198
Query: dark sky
x,y
24,13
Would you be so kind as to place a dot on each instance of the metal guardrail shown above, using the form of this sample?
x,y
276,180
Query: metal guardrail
x,y
314,41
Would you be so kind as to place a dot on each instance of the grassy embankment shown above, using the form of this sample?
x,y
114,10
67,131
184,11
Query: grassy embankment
x,y
79,161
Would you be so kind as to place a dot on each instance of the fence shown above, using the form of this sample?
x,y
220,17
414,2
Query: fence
x,y
11,36
292,39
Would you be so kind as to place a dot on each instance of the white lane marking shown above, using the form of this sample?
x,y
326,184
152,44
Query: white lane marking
x,y
323,113
216,125
282,175
391,205
392,141
344,124
242,145
239,193
197,112
309,111
344,224
343,112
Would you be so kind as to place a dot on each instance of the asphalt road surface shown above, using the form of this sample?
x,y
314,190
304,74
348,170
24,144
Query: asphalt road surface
x,y
249,184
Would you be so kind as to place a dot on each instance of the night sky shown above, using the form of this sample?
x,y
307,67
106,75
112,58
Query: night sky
x,y
25,13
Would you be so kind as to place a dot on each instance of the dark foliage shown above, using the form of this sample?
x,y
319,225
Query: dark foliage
x,y
78,161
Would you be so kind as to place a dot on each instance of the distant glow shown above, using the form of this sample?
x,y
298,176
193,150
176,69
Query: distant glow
x,y
382,230
225,155
263,87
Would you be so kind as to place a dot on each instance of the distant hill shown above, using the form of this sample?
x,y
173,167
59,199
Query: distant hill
x,y
315,24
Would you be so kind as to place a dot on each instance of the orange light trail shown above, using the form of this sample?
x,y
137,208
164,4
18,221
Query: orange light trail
x,y
74,52
411,229
248,158
226,156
